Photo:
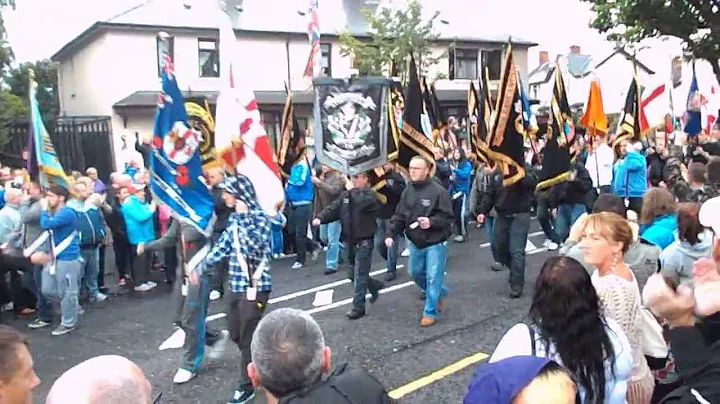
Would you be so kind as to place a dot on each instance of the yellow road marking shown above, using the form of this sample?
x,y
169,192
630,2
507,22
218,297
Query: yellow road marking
x,y
437,375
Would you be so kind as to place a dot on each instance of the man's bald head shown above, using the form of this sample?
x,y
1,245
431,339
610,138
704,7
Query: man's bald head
x,y
103,379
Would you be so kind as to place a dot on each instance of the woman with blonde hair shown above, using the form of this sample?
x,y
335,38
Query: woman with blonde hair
x,y
658,220
606,239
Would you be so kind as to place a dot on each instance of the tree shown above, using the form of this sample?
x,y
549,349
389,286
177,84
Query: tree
x,y
6,54
394,35
12,108
47,92
696,22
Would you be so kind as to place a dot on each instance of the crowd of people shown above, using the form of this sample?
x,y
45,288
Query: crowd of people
x,y
627,312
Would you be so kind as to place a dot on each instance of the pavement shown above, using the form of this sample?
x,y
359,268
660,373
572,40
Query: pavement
x,y
417,365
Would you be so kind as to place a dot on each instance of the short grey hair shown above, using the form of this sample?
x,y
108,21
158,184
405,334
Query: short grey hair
x,y
287,351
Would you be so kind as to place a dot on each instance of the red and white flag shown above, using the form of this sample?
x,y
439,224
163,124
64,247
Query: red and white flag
x,y
240,135
710,112
314,66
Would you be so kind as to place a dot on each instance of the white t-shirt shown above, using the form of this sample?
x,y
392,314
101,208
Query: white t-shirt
x,y
600,165
516,342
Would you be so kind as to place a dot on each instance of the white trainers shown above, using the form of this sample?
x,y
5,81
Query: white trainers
x,y
218,349
405,253
145,287
183,376
151,283
552,246
101,297
184,289
297,265
214,295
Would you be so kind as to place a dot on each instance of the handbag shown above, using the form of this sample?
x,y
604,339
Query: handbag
x,y
653,342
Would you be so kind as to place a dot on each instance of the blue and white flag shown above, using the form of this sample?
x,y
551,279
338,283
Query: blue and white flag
x,y
175,163
695,102
42,158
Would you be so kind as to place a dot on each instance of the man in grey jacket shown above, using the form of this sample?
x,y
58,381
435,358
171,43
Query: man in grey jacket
x,y
642,257
328,187
478,189
30,210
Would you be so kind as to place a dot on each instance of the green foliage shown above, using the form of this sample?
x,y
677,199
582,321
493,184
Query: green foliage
x,y
47,91
394,35
696,22
6,54
12,108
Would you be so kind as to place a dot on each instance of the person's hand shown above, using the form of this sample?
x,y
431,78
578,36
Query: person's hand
x,y
706,278
40,258
193,278
316,222
554,212
481,218
576,231
676,307
662,184
315,180
44,203
241,207
140,248
424,222
388,242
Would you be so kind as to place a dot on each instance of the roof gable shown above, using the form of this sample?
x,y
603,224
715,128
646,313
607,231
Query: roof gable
x,y
622,52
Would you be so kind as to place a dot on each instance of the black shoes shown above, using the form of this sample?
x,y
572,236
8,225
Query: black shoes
x,y
390,276
329,271
516,293
355,314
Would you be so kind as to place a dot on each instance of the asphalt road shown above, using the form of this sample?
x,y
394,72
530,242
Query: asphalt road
x,y
388,342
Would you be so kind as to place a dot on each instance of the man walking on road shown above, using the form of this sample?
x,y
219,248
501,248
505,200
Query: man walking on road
x,y
357,210
425,213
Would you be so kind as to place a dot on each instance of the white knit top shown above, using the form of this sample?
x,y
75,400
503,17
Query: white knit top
x,y
621,301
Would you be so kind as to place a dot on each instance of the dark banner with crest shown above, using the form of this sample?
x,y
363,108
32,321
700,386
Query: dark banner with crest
x,y
201,117
351,121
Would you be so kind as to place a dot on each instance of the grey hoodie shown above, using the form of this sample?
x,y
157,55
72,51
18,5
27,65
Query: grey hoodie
x,y
678,258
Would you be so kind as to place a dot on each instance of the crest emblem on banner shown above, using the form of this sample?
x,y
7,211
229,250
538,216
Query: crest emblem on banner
x,y
351,122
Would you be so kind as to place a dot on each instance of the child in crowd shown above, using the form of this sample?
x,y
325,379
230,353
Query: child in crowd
x,y
278,222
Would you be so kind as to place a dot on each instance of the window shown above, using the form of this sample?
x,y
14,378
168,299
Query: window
x,y
493,60
326,59
466,64
271,121
170,41
208,58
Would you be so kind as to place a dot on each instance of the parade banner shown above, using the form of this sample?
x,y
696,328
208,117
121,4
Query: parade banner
x,y
201,117
560,136
351,121
175,164
412,141
292,139
477,135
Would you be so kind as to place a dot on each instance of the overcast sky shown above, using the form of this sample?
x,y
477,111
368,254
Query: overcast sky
x,y
38,28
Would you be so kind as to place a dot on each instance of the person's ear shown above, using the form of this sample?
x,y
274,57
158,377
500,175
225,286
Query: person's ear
x,y
326,361
252,374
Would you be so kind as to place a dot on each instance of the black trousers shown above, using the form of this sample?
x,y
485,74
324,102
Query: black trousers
x,y
243,320
123,255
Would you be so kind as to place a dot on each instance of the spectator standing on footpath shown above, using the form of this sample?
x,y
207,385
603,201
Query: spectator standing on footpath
x,y
630,176
139,222
98,186
299,193
329,186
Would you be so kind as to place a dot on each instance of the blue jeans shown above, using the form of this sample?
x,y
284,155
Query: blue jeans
x,y
427,268
64,286
333,242
362,257
510,240
392,252
44,307
545,219
193,323
90,269
489,222
277,239
566,216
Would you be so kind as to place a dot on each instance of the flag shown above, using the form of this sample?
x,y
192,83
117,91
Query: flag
x,y
559,138
201,118
395,108
711,112
175,166
695,102
412,142
292,139
433,113
42,158
477,135
314,63
239,132
507,137
594,119
645,124
629,126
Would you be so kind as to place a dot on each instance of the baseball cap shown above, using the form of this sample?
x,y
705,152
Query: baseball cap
x,y
499,382
709,215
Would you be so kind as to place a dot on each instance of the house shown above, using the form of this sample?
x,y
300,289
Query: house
x,y
113,67
613,72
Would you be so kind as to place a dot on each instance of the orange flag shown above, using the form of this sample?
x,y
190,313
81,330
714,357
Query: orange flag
x,y
594,119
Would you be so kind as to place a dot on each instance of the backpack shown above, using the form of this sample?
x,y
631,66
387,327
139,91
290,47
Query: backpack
x,y
90,225
347,384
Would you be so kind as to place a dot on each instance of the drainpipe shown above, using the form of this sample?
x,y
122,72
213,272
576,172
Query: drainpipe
x,y
287,57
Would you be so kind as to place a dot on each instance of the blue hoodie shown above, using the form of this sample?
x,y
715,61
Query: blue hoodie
x,y
499,382
62,224
138,220
630,174
660,231
462,177
300,189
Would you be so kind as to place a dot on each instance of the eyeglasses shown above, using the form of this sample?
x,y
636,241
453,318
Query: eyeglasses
x,y
157,399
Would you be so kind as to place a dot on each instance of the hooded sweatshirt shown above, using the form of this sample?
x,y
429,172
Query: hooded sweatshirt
x,y
678,258
500,382
661,230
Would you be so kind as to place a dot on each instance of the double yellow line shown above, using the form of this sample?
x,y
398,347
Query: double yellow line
x,y
437,375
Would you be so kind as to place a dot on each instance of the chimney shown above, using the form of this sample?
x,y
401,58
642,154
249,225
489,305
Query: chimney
x,y
575,50
544,57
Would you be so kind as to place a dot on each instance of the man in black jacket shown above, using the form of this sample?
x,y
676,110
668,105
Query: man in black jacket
x,y
393,189
443,171
357,209
425,213
567,199
512,204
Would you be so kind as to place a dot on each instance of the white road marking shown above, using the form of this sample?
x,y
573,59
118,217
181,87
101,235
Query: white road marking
x,y
349,300
537,233
215,317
